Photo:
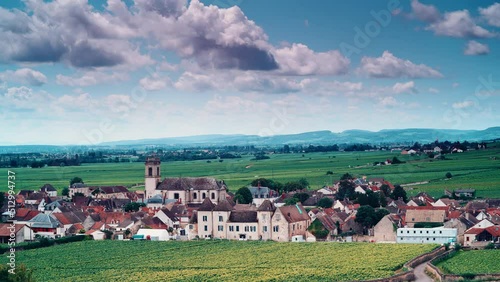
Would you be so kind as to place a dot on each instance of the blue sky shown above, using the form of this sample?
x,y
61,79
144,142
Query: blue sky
x,y
85,72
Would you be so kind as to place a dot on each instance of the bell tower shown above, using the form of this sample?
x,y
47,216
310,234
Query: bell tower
x,y
152,176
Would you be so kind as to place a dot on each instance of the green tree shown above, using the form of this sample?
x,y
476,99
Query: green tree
x,y
302,197
366,216
133,207
292,186
399,192
346,190
395,160
386,189
304,183
286,149
369,198
291,201
449,175
346,176
329,172
271,184
325,203
243,196
382,199
75,180
65,191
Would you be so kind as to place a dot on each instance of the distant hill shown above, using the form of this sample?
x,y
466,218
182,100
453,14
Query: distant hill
x,y
323,137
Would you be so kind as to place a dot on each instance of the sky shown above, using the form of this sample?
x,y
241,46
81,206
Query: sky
x,y
85,72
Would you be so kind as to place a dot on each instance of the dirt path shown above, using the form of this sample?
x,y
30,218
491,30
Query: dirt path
x,y
420,275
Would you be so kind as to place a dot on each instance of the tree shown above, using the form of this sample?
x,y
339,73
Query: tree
x,y
65,191
399,192
346,190
291,201
243,196
386,189
304,183
325,203
369,198
301,197
271,184
379,214
329,172
292,186
286,149
133,206
449,175
395,160
75,180
382,199
366,216
346,176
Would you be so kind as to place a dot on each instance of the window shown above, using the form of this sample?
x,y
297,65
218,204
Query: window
x,y
275,228
467,239
190,227
205,218
408,231
195,195
150,171
205,228
220,228
237,228
231,228
220,218
414,231
246,229
204,195
440,232
420,231
176,196
213,196
253,229
433,239
427,231
158,171
293,226
264,229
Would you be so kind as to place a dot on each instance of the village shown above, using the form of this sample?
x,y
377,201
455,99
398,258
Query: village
x,y
194,208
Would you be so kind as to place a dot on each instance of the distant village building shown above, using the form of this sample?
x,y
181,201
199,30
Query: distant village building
x,y
189,190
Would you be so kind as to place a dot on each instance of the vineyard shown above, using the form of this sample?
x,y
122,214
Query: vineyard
x,y
472,262
216,261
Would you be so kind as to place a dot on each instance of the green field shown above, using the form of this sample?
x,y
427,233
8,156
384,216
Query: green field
x,y
472,262
473,169
216,261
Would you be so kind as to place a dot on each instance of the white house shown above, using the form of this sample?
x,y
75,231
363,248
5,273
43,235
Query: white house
x,y
437,235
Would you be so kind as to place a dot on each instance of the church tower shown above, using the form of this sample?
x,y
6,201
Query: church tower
x,y
152,176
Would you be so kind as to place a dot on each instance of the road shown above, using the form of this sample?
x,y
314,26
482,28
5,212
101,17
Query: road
x,y
420,275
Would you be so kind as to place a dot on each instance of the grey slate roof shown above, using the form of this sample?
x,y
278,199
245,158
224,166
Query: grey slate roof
x,y
43,220
207,205
188,183
266,206
223,205
243,216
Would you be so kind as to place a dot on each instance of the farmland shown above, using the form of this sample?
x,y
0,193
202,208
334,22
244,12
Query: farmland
x,y
474,169
216,261
472,262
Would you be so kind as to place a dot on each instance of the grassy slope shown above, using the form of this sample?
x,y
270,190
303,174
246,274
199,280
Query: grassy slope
x,y
216,261
475,262
474,169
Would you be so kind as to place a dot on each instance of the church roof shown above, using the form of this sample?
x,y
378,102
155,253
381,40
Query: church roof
x,y
188,183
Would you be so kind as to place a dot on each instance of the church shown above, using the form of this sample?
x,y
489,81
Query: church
x,y
187,190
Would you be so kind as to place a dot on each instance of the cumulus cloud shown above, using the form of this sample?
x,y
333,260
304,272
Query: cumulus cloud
x,y
463,105
459,24
298,59
90,78
389,65
388,102
491,14
406,87
24,76
155,82
426,13
475,48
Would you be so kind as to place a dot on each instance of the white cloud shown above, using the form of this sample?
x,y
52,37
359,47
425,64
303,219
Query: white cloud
x,y
426,13
298,59
389,65
90,78
433,90
388,102
459,24
155,82
475,48
195,82
24,76
406,87
491,14
463,105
